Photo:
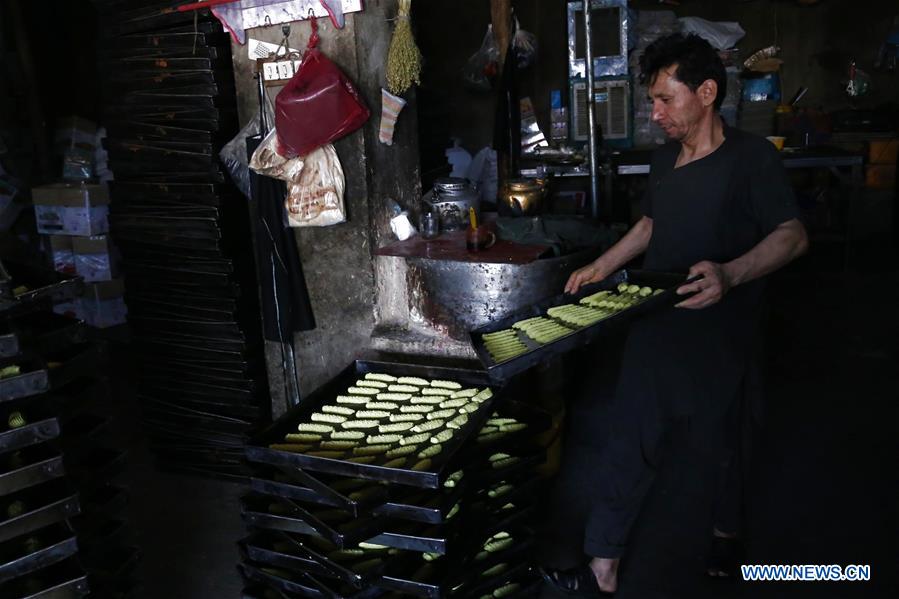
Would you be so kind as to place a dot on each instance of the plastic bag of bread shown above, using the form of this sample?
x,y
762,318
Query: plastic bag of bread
x,y
315,198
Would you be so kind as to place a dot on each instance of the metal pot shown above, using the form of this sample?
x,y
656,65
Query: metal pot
x,y
522,197
451,198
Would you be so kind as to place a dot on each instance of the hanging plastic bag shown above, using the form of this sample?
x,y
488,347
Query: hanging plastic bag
x,y
316,198
524,45
317,106
234,153
267,161
483,66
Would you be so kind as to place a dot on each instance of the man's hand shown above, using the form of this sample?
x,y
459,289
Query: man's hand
x,y
713,285
588,274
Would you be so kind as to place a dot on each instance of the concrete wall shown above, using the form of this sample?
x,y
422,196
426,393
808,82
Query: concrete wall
x,y
337,260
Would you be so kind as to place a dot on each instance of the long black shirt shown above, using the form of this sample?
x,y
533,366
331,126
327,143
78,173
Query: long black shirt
x,y
715,208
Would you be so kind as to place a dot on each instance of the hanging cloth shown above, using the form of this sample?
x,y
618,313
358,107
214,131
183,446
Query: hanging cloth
x,y
286,307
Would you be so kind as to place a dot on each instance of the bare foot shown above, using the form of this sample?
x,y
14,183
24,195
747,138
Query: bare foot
x,y
606,572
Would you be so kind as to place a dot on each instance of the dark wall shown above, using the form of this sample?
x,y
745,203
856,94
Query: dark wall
x,y
817,43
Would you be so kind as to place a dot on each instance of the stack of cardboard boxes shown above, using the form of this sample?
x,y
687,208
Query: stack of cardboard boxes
x,y
73,218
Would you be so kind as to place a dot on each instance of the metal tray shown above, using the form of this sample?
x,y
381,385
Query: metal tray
x,y
64,580
539,353
33,433
9,344
258,450
43,332
100,504
56,543
77,361
409,536
267,548
304,585
295,484
45,287
33,380
30,467
347,533
95,466
444,577
47,504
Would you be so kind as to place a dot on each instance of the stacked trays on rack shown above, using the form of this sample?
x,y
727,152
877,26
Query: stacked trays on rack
x,y
431,510
182,228
53,463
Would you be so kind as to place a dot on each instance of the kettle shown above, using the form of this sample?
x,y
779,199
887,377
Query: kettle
x,y
522,197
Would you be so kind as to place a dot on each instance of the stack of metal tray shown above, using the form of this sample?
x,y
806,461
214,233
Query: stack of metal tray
x,y
330,527
53,462
181,225
537,353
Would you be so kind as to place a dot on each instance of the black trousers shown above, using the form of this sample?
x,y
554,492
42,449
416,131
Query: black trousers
x,y
629,461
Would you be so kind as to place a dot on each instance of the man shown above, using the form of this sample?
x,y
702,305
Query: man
x,y
718,206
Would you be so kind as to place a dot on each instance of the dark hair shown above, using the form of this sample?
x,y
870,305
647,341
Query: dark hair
x,y
695,58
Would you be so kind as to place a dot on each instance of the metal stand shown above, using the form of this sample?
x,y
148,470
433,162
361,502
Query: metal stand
x,y
591,112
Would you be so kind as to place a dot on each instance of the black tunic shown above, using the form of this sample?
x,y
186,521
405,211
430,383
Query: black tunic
x,y
715,208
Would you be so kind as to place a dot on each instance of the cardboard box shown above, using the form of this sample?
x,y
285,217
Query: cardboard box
x,y
94,258
103,304
883,151
61,252
71,209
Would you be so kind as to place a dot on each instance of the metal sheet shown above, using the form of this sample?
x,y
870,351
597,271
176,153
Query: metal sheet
x,y
258,450
57,544
538,353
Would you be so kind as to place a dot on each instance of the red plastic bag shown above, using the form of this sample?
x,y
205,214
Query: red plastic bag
x,y
317,106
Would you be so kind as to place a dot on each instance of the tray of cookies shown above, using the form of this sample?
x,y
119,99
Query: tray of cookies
x,y
392,422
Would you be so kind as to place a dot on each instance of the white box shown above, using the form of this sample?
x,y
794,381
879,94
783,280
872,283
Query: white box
x,y
62,255
71,209
94,258
103,304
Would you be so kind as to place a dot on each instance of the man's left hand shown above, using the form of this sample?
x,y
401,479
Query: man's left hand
x,y
713,285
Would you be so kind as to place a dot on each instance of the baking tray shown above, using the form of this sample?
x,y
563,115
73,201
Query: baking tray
x,y
345,532
283,550
74,362
45,504
45,287
304,585
410,536
258,450
29,467
539,353
54,544
9,343
42,332
63,580
449,577
32,433
33,380
94,467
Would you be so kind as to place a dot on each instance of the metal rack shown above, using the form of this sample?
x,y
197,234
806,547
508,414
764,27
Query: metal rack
x,y
420,536
52,455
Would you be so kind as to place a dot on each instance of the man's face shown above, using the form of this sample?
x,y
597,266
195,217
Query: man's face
x,y
675,108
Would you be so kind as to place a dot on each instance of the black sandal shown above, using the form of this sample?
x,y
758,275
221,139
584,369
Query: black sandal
x,y
725,557
578,581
